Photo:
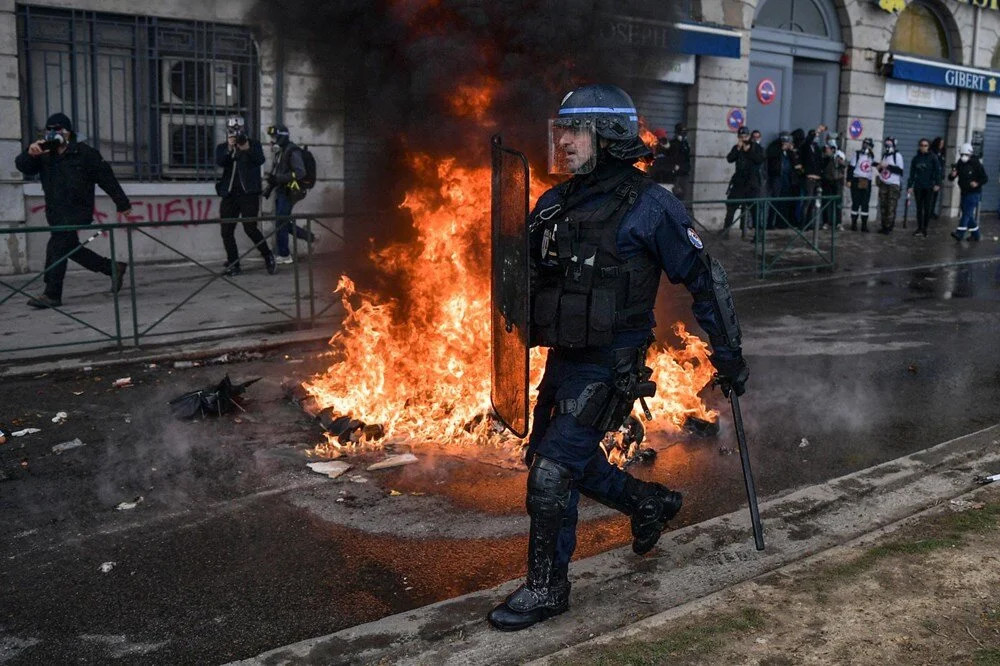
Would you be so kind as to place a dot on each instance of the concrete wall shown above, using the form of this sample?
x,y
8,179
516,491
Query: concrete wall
x,y
20,203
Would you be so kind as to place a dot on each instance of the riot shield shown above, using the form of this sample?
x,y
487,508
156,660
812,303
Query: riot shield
x,y
509,284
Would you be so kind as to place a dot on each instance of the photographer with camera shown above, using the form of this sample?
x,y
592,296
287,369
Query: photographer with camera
x,y
240,186
68,171
745,183
287,179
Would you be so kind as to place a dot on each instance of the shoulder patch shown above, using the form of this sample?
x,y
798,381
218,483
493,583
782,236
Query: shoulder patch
x,y
695,239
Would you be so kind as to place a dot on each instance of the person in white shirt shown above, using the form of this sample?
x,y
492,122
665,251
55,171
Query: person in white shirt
x,y
890,176
861,178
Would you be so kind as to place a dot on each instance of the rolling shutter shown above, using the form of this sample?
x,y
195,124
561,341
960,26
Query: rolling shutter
x,y
909,124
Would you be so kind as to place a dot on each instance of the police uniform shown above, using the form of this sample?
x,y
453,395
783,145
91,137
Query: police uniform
x,y
599,243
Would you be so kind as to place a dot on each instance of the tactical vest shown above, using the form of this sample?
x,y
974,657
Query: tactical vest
x,y
586,291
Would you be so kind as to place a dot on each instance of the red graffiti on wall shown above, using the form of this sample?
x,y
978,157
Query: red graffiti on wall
x,y
188,208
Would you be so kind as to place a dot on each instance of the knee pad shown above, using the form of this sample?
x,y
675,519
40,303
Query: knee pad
x,y
549,486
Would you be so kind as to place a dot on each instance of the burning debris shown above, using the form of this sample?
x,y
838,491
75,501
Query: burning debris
x,y
394,461
701,427
332,469
214,400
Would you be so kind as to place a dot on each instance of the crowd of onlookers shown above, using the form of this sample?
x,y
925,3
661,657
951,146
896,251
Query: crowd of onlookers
x,y
796,167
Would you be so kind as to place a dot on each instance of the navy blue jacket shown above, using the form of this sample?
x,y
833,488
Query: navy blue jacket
x,y
68,182
658,224
247,162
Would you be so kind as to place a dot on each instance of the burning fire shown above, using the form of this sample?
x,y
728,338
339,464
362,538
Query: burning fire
x,y
420,366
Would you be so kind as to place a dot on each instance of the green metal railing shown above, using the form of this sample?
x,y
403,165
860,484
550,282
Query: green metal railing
x,y
306,313
789,233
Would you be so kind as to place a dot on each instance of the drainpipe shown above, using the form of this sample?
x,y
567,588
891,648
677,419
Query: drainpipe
x,y
972,63
279,80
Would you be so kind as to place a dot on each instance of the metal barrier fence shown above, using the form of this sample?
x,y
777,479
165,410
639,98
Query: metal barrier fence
x,y
789,233
127,329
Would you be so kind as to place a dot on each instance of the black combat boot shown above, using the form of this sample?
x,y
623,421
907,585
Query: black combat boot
x,y
545,592
653,504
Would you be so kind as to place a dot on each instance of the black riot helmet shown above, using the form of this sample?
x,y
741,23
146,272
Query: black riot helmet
x,y
596,110
279,134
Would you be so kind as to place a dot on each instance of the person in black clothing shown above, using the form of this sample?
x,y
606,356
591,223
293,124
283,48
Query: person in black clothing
x,y
832,182
938,150
924,181
679,158
745,183
240,186
811,161
782,179
69,170
971,177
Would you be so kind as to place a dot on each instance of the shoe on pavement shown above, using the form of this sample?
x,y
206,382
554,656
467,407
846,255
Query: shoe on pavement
x,y
119,278
232,270
283,260
956,235
269,263
526,607
42,302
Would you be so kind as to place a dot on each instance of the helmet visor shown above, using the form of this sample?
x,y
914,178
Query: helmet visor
x,y
572,146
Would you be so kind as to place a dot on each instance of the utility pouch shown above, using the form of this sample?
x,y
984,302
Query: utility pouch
x,y
591,404
600,323
573,320
544,316
579,269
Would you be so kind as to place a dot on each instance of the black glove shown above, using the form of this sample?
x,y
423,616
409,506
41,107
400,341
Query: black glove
x,y
732,375
272,180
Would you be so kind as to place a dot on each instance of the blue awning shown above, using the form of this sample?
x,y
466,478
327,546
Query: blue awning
x,y
946,75
702,39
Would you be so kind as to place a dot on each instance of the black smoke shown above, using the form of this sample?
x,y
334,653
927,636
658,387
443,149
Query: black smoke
x,y
394,68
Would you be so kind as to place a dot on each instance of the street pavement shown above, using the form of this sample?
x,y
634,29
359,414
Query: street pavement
x,y
236,548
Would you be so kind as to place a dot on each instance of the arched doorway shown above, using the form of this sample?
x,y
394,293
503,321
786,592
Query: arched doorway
x,y
797,46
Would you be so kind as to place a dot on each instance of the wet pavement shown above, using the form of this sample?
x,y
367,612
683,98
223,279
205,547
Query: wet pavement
x,y
236,547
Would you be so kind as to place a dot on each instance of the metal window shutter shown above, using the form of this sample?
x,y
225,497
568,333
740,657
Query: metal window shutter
x,y
991,162
909,124
660,104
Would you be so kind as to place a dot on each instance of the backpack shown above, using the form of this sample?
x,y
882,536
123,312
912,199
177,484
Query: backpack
x,y
310,164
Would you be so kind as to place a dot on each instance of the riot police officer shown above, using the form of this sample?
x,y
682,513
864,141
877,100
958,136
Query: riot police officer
x,y
599,242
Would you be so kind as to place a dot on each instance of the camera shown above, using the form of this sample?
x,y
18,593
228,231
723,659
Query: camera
x,y
52,140
240,136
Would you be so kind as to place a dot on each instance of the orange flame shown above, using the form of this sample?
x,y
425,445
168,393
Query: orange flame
x,y
420,367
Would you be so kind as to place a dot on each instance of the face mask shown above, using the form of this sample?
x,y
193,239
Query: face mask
x,y
964,158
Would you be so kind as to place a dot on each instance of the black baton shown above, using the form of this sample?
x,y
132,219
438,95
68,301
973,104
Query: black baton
x,y
741,439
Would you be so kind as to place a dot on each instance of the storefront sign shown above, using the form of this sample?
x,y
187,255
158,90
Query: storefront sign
x,y
685,38
985,4
767,92
734,119
908,68
855,129
911,94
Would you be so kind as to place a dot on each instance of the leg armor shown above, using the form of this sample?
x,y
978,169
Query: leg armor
x,y
542,595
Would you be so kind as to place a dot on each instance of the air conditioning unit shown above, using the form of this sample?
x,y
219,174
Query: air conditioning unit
x,y
190,83
187,143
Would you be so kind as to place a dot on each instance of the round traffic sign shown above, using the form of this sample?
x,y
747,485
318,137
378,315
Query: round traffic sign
x,y
767,92
855,129
735,119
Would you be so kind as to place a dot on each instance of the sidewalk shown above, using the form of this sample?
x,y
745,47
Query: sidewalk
x,y
921,591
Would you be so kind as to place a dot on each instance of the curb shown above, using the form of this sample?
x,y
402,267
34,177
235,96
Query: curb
x,y
616,589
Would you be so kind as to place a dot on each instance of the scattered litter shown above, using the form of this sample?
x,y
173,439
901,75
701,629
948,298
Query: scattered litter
x,y
804,443
122,382
646,455
982,480
26,431
357,478
66,446
416,494
394,493
183,365
701,427
394,461
912,368
60,417
152,366
77,392
87,368
128,418
760,641
294,360
216,400
725,451
128,506
107,566
340,499
4,434
964,505
331,469
407,589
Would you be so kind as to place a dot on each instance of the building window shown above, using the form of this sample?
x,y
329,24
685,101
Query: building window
x,y
794,16
920,32
152,95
